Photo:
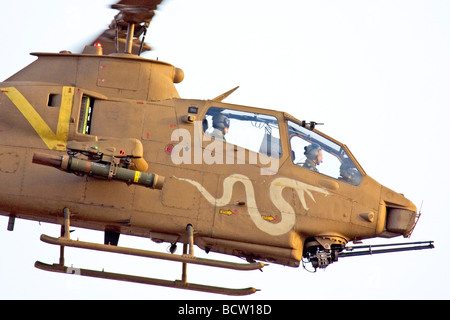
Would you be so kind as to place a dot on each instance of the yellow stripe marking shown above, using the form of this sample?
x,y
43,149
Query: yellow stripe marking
x,y
137,175
62,131
53,141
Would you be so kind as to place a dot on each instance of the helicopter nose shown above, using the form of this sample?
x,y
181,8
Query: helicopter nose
x,y
401,214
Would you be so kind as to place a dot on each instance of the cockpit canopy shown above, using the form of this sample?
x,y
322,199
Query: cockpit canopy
x,y
260,133
313,151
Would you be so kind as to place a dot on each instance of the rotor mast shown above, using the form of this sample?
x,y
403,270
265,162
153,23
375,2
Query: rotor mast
x,y
134,17
130,35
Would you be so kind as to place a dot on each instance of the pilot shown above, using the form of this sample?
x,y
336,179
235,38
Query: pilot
x,y
349,174
314,157
221,124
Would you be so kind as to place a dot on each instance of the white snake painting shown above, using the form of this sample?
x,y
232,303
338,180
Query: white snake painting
x,y
275,191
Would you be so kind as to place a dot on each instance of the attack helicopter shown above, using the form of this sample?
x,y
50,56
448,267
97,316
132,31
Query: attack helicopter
x,y
101,140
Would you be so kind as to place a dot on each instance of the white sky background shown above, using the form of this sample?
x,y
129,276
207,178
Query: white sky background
x,y
377,73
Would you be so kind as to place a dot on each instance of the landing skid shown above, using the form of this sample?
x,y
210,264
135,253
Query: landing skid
x,y
177,284
186,258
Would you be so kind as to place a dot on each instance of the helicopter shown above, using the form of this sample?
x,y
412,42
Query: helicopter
x,y
101,140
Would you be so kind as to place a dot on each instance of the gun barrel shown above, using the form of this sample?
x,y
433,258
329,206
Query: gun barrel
x,y
400,247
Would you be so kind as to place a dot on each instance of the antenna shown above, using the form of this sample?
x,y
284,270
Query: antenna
x,y
415,222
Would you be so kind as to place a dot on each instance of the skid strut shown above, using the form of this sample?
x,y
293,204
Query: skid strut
x,y
186,258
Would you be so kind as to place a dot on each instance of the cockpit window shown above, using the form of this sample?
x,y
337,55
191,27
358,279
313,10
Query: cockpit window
x,y
252,131
319,154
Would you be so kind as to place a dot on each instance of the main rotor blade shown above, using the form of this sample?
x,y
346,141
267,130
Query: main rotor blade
x,y
151,4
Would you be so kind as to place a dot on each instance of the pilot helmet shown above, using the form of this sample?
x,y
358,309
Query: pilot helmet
x,y
312,151
349,173
346,171
220,121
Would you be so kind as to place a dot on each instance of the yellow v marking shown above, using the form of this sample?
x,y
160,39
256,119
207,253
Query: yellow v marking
x,y
56,141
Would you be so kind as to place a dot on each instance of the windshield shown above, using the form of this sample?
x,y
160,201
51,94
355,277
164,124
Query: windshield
x,y
253,131
319,154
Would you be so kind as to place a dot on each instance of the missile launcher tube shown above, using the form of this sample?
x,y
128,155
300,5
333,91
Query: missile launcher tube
x,y
100,170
